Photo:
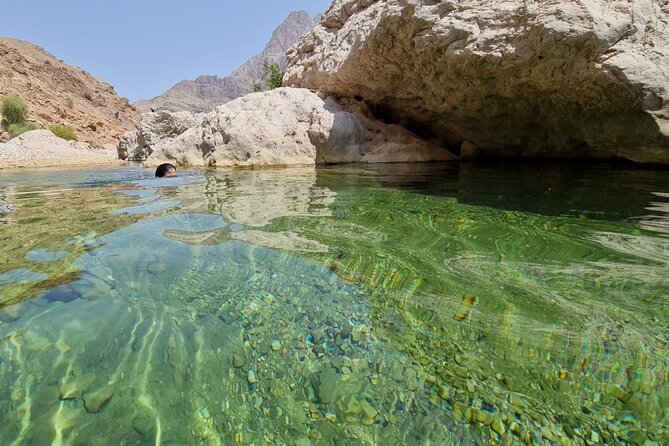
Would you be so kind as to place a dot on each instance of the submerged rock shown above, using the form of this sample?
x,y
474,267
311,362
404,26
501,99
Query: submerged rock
x,y
251,377
12,313
357,410
144,425
565,79
96,400
238,361
73,386
328,385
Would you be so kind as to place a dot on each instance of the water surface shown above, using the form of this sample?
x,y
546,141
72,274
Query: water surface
x,y
357,305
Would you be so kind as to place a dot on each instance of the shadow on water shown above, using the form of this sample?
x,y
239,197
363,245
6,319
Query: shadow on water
x,y
601,190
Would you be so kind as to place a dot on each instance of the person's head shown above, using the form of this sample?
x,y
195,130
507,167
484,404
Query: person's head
x,y
166,170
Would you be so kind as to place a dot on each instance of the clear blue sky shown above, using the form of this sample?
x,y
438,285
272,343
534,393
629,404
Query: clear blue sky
x,y
143,47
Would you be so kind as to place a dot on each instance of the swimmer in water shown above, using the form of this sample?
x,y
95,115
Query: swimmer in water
x,y
166,170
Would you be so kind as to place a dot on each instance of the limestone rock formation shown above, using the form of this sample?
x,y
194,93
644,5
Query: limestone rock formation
x,y
289,126
207,92
57,93
563,78
155,128
41,148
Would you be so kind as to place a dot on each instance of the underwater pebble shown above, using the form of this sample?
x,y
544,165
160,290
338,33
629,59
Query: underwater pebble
x,y
498,426
144,426
594,437
251,377
369,414
352,410
238,361
328,386
547,434
276,345
396,373
445,393
411,379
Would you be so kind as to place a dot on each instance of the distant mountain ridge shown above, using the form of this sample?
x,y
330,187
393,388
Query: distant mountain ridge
x,y
204,93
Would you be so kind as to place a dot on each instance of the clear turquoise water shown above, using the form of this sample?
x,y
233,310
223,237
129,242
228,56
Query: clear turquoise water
x,y
390,305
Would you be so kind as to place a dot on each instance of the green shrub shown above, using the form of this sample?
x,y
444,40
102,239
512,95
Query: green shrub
x,y
271,77
20,128
14,110
63,131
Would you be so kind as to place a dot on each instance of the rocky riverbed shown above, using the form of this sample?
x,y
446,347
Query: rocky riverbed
x,y
301,308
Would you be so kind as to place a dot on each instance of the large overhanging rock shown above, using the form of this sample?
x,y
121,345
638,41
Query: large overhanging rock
x,y
560,78
290,126
155,128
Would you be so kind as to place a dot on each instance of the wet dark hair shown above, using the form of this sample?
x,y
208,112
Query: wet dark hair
x,y
162,170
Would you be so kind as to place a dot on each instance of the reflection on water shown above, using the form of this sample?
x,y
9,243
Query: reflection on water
x,y
383,305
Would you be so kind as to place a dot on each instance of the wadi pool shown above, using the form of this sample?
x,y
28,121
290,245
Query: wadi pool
x,y
351,305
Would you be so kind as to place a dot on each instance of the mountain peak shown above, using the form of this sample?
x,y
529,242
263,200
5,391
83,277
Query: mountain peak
x,y
206,92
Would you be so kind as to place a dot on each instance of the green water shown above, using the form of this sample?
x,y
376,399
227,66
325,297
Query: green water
x,y
389,305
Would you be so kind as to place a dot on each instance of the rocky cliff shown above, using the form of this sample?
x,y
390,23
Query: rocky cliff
x,y
557,78
155,129
206,92
285,126
57,93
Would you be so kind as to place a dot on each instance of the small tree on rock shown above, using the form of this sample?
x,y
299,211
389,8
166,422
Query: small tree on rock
x,y
271,77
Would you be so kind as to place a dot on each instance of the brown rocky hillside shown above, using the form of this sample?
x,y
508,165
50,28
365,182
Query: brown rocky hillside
x,y
57,93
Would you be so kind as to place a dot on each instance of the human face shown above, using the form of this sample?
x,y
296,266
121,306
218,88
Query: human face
x,y
171,173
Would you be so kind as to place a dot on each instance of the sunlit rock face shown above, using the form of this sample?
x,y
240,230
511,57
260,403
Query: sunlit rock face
x,y
292,126
155,128
565,78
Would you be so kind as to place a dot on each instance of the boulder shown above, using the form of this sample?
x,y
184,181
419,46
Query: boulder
x,y
45,138
469,151
155,128
566,78
289,126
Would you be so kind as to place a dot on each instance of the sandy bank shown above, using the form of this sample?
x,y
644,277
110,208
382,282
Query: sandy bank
x,y
40,148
